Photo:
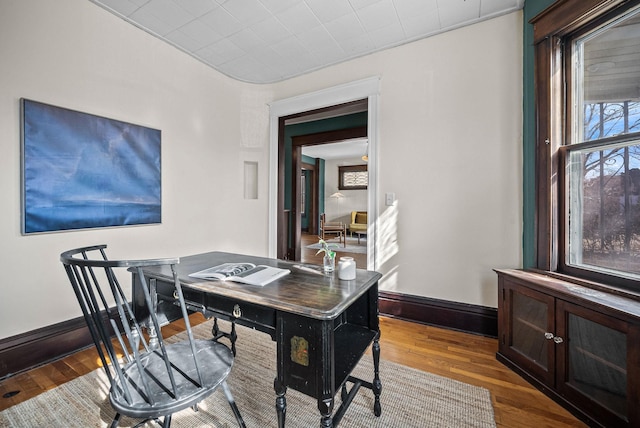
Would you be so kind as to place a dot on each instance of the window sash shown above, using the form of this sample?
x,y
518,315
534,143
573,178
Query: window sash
x,y
601,210
555,114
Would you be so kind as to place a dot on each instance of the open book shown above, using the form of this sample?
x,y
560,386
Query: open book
x,y
247,273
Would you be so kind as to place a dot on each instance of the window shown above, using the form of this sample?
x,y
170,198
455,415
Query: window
x,y
588,90
353,177
602,230
303,192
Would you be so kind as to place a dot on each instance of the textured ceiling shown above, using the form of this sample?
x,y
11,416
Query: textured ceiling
x,y
266,41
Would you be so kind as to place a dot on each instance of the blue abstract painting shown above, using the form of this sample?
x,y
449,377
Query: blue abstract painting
x,y
84,171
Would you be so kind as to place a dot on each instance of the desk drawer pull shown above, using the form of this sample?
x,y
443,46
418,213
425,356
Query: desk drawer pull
x,y
237,312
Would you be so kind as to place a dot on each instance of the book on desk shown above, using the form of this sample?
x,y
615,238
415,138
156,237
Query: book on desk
x,y
246,273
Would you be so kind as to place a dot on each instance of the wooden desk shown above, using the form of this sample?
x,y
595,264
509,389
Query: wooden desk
x,y
322,325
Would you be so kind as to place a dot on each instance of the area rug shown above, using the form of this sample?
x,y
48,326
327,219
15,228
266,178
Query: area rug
x,y
352,246
410,398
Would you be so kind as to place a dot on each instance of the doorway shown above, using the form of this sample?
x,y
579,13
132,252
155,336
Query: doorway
x,y
308,105
293,202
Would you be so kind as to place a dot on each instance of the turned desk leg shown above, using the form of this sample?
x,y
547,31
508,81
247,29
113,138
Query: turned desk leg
x,y
281,402
232,335
326,412
377,384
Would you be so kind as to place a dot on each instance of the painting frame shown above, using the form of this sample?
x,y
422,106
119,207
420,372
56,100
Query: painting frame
x,y
84,171
353,177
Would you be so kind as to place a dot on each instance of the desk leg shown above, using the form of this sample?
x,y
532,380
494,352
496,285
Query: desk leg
x,y
326,412
281,401
377,384
232,336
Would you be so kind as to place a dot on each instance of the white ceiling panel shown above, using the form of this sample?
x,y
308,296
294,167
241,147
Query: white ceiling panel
x,y
221,21
378,15
456,12
493,7
238,37
196,7
328,10
247,12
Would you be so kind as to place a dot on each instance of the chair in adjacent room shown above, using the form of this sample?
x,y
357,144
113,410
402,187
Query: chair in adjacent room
x,y
328,228
358,222
152,378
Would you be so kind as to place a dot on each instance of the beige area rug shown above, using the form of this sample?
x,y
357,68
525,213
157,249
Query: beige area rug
x,y
410,398
352,245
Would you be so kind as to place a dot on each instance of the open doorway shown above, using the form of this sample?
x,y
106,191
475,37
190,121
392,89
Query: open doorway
x,y
341,199
313,143
363,92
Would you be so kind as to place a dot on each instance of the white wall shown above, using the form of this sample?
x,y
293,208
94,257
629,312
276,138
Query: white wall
x,y
73,54
450,148
354,200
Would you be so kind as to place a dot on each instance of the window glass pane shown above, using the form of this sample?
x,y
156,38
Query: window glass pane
x,y
603,172
604,207
604,120
606,77
355,178
303,192
598,363
529,327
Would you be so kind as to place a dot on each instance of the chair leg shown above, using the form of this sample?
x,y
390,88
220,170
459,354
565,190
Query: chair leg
x,y
116,421
167,421
232,403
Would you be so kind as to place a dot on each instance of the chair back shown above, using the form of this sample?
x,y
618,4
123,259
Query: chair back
x,y
148,377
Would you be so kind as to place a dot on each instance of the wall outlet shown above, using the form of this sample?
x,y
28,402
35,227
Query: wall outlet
x,y
389,198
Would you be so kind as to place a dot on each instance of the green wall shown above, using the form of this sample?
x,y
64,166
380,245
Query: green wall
x,y
531,9
332,124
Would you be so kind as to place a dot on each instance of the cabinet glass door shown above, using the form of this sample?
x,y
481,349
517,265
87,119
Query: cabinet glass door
x,y
531,326
595,358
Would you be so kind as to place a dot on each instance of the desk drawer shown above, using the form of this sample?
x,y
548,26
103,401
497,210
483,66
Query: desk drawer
x,y
242,312
248,314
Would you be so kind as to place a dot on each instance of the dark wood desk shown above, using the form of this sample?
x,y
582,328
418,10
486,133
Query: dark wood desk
x,y
322,325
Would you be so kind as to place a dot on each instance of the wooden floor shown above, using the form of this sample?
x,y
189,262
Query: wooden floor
x,y
464,357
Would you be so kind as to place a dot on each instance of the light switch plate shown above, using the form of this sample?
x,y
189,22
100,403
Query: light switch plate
x,y
389,198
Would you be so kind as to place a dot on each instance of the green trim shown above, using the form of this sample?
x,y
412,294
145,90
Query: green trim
x,y
531,9
331,124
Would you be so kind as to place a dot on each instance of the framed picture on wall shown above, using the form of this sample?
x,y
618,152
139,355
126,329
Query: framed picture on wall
x,y
353,177
84,171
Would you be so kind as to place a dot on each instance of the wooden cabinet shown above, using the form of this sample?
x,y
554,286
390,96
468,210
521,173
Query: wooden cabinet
x,y
577,344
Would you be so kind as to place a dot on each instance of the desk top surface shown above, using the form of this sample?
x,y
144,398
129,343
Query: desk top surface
x,y
316,295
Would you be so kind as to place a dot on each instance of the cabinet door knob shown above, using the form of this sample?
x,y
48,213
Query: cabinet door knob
x,y
548,336
558,339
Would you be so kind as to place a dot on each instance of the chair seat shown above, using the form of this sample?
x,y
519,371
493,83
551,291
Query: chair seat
x,y
215,360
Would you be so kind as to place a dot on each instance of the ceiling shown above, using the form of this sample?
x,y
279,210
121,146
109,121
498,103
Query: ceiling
x,y
348,149
266,41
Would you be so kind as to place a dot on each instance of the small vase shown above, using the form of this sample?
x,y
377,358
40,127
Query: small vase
x,y
346,268
328,264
